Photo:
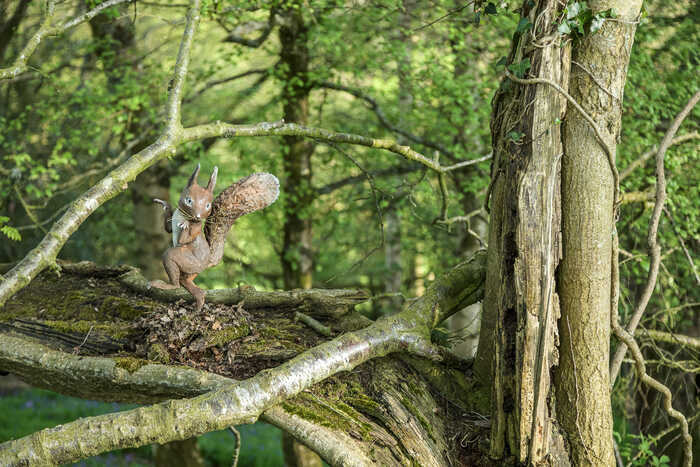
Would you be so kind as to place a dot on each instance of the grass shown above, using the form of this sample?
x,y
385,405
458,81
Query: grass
x,y
29,410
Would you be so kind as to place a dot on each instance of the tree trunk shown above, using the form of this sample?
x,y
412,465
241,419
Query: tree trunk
x,y
582,379
535,213
297,253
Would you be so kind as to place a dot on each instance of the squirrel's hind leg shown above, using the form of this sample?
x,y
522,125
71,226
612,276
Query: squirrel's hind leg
x,y
173,271
188,283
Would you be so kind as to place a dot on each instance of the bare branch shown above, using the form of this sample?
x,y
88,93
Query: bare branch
x,y
222,129
217,82
385,121
313,323
46,29
114,183
629,341
685,249
399,170
639,162
669,338
653,245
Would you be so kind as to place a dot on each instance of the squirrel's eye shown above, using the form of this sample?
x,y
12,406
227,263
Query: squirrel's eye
x,y
208,205
188,201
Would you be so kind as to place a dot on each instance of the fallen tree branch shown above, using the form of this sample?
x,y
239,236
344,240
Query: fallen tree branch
x,y
245,401
313,324
100,378
318,302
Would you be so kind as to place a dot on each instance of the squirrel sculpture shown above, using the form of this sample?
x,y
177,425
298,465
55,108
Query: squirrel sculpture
x,y
200,223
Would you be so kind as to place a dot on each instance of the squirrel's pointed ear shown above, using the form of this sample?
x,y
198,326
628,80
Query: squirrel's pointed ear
x,y
193,177
212,180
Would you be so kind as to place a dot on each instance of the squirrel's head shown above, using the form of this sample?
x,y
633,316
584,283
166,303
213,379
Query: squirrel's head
x,y
195,201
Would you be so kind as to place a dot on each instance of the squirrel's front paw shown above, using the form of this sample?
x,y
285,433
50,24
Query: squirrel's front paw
x,y
183,225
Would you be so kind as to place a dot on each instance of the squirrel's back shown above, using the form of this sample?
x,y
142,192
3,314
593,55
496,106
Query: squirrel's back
x,y
249,194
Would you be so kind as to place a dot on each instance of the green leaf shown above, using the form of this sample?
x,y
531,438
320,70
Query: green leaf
x,y
515,136
523,25
519,69
490,9
564,28
11,233
597,23
573,10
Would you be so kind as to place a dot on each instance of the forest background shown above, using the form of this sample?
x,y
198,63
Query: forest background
x,y
423,73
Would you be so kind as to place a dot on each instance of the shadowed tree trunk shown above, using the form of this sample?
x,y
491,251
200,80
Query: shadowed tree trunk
x,y
297,252
116,47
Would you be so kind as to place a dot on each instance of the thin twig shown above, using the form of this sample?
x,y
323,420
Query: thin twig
x,y
654,248
237,449
685,249
624,173
595,80
313,323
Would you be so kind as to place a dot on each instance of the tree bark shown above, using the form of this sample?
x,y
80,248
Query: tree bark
x,y
297,252
518,333
585,282
519,337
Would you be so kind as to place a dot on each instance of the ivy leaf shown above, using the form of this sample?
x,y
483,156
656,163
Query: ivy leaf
x,y
564,28
523,25
501,61
597,23
515,136
490,9
573,10
519,69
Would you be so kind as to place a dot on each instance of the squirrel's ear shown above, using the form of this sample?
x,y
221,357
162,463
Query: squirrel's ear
x,y
193,177
212,180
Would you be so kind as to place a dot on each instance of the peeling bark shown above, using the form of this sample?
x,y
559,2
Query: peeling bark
x,y
517,347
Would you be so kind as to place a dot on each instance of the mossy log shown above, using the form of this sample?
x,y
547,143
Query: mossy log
x,y
89,334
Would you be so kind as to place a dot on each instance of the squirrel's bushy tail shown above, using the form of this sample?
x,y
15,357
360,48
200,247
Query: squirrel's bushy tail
x,y
251,193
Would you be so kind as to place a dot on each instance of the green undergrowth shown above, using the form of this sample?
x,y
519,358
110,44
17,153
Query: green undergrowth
x,y
29,410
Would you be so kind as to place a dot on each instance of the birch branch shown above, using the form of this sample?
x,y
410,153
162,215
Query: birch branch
x,y
100,378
